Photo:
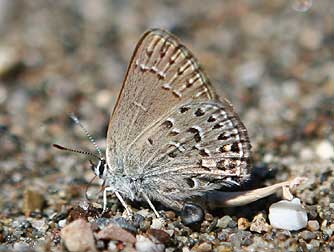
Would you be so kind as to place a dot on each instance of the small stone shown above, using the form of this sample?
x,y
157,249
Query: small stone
x,y
325,150
259,224
224,221
103,98
115,233
203,247
32,201
124,223
311,38
102,222
192,214
137,220
21,247
243,223
112,246
21,223
241,238
160,235
208,217
313,225
157,223
144,212
249,73
224,247
78,236
144,244
186,249
40,225
100,244
170,215
283,235
77,213
288,215
9,60
84,205
62,223
308,235
223,235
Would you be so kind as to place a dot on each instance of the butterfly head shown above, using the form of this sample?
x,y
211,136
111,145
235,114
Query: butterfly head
x,y
100,169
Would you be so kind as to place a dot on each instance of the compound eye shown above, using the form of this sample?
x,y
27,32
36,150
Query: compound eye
x,y
101,167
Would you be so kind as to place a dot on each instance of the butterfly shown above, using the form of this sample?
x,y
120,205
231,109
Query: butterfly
x,y
170,137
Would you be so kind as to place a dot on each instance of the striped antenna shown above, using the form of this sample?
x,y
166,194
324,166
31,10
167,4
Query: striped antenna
x,y
91,139
76,151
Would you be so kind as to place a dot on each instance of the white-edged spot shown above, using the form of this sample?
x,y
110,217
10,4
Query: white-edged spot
x,y
140,106
166,86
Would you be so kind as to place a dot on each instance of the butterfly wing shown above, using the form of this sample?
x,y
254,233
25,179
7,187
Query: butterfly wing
x,y
169,129
198,147
161,76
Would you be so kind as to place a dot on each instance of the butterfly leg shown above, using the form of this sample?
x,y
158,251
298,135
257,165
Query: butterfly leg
x,y
127,208
106,189
151,204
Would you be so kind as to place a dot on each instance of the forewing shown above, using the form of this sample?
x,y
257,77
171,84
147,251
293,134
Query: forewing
x,y
161,76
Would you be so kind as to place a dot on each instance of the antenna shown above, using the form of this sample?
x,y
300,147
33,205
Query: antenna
x,y
91,139
76,151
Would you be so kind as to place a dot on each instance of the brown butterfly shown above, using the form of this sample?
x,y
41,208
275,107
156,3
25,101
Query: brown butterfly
x,y
170,138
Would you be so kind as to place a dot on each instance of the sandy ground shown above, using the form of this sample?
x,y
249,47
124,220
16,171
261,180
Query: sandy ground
x,y
56,57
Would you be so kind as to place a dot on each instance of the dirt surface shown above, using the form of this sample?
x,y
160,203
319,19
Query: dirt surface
x,y
275,64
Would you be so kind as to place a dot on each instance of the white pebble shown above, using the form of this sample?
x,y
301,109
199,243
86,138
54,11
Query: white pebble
x,y
288,215
325,150
144,244
62,223
157,223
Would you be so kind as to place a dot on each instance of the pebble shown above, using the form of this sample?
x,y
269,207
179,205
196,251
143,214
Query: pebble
x,y
78,236
157,223
21,247
313,225
62,223
241,238
191,214
144,212
40,225
32,201
3,94
224,221
203,247
162,236
308,235
124,223
224,247
259,224
112,246
113,232
282,235
288,215
144,244
102,222
249,73
21,223
84,204
325,150
243,223
138,219
311,38
170,215
9,59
